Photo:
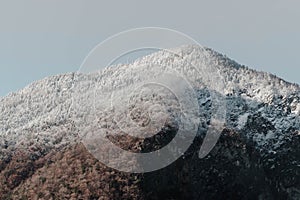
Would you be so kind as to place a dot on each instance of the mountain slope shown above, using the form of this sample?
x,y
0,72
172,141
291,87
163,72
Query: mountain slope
x,y
258,147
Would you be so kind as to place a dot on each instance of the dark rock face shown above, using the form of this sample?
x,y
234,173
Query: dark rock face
x,y
283,170
231,171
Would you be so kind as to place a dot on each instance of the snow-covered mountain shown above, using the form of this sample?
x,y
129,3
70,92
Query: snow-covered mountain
x,y
51,114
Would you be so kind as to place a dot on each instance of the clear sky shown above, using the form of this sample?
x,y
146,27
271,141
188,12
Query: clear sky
x,y
42,38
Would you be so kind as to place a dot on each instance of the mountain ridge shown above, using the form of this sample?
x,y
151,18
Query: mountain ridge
x,y
262,113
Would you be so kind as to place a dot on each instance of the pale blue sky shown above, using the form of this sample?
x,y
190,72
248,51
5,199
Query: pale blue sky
x,y
42,38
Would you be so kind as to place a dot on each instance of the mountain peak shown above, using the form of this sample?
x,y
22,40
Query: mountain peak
x,y
262,111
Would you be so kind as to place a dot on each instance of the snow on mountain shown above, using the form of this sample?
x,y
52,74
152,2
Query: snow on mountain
x,y
263,108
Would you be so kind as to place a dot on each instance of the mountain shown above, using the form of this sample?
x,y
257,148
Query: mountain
x,y
257,155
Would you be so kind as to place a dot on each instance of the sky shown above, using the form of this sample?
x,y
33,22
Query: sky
x,y
44,38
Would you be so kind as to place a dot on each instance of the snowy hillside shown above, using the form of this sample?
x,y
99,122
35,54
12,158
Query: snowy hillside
x,y
256,157
45,112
